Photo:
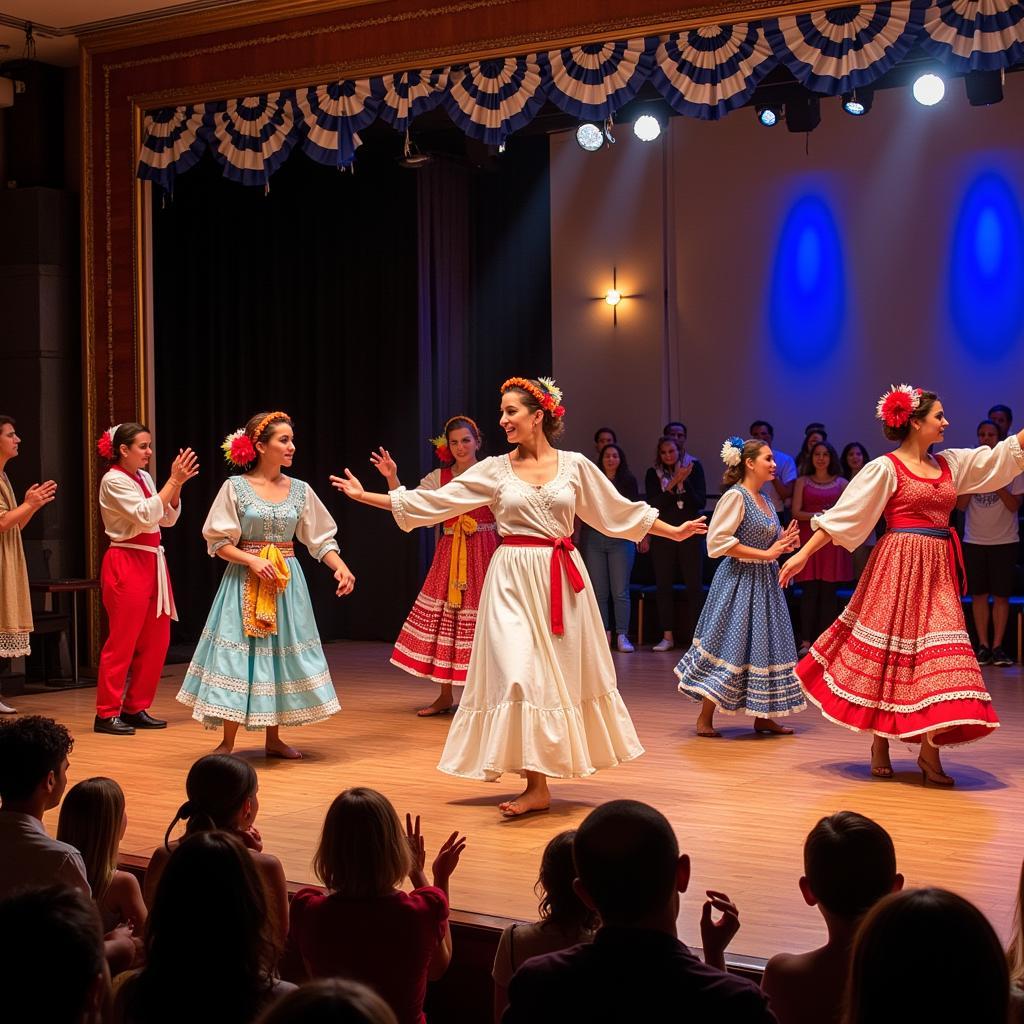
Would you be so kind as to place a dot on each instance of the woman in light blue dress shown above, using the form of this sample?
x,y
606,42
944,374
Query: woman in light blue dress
x,y
743,655
259,662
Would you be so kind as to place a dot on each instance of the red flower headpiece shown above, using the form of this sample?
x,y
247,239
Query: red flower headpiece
x,y
895,407
548,395
441,449
238,449
105,444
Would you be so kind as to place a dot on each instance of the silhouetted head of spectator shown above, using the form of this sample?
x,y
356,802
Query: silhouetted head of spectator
x,y
1002,417
849,865
989,433
51,948
816,428
330,1001
939,945
604,436
762,430
559,902
628,865
33,763
676,430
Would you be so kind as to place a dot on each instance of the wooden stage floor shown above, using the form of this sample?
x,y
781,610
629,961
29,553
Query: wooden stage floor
x,y
741,806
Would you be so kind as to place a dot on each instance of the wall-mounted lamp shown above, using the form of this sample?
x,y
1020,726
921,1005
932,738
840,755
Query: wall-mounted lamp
x,y
613,297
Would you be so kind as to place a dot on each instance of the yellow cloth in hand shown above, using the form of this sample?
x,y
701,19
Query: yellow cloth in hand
x,y
463,527
259,598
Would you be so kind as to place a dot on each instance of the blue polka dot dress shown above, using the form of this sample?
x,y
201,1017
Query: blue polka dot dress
x,y
743,654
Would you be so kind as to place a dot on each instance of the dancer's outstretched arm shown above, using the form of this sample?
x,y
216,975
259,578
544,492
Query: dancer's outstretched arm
x,y
350,486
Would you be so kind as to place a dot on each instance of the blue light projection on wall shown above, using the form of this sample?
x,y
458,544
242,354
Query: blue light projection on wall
x,y
986,268
807,301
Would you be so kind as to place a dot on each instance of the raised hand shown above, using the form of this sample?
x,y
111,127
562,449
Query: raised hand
x,y
716,935
416,845
346,581
447,859
39,495
184,467
348,485
385,465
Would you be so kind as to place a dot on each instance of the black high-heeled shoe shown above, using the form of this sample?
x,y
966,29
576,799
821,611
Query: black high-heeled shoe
x,y
936,776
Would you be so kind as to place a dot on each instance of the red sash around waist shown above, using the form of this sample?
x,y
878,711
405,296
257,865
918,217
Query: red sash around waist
x,y
560,548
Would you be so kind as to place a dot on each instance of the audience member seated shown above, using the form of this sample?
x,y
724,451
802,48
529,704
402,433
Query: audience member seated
x,y
331,1001
991,546
1014,955
1002,417
852,460
630,872
211,948
51,949
780,490
222,794
849,865
33,774
675,486
609,560
931,954
93,820
565,920
365,927
603,437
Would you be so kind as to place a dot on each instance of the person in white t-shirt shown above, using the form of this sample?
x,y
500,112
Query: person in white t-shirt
x,y
991,546
780,490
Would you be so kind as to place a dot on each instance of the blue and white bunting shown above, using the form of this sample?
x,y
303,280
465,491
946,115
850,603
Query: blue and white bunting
x,y
844,48
491,99
976,35
253,136
592,81
333,116
171,144
411,93
711,70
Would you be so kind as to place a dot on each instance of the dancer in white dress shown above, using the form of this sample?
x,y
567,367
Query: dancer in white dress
x,y
540,697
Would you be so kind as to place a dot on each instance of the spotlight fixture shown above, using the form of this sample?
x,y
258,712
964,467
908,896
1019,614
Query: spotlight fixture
x,y
769,114
984,87
589,137
646,127
614,296
929,89
803,112
858,103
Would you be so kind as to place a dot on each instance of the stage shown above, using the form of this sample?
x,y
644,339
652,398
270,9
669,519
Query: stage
x,y
741,805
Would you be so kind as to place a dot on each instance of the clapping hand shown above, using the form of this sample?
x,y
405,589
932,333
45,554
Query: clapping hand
x,y
184,467
681,475
384,464
39,495
416,845
447,859
348,485
788,540
716,935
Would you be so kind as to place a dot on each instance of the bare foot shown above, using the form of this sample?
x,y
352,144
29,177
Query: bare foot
x,y
767,725
707,730
528,802
279,748
223,748
441,706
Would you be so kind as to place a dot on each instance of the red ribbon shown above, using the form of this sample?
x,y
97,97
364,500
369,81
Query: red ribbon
x,y
560,557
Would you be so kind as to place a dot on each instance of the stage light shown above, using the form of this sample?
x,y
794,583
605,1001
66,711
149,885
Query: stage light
x,y
769,114
984,87
613,296
646,127
858,103
803,113
929,90
589,137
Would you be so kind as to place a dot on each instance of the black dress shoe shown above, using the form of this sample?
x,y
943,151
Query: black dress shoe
x,y
113,726
142,720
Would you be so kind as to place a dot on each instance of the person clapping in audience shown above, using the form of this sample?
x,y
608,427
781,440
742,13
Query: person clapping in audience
x,y
849,864
365,927
630,871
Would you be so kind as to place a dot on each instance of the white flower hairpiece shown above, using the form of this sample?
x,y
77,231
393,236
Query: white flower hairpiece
x,y
732,451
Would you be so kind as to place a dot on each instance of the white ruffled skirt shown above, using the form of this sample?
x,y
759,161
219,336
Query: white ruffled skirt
x,y
535,701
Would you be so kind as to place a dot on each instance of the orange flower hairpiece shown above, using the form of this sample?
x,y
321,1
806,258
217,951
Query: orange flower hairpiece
x,y
462,416
262,425
545,392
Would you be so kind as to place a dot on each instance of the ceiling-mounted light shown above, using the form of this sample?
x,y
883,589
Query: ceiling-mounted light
x,y
589,137
646,127
929,90
769,114
984,87
858,102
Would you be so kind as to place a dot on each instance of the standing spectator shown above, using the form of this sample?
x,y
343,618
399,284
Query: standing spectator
x,y
630,871
565,920
15,600
676,488
33,775
849,865
816,428
52,953
609,560
991,546
603,437
853,459
816,491
1002,417
778,491
675,430
812,439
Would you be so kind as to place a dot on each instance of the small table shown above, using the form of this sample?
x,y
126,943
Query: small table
x,y
74,588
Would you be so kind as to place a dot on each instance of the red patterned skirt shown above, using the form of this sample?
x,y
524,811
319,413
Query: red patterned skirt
x,y
898,661
437,639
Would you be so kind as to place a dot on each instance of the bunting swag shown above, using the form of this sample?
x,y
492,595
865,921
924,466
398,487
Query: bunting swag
x,y
171,144
333,116
491,99
409,94
704,73
711,70
252,137
834,51
593,81
975,35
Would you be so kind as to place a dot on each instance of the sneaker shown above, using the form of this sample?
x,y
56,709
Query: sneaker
x,y
999,657
663,645
623,645
6,709
984,656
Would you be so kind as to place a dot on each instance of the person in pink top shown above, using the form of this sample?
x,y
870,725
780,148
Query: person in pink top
x,y
365,927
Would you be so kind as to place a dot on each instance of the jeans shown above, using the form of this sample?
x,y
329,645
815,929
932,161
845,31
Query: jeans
x,y
609,562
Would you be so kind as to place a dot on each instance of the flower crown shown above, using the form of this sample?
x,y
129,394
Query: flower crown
x,y
546,392
440,443
105,444
895,407
732,451
239,448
